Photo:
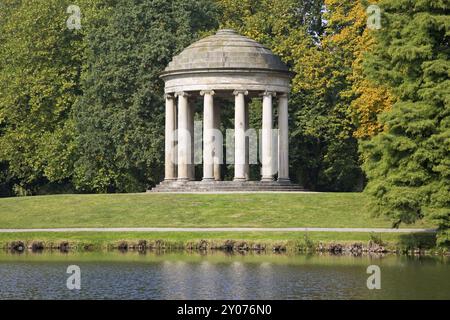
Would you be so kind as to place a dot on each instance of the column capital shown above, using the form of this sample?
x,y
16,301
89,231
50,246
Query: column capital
x,y
210,92
283,95
182,94
238,92
268,94
169,96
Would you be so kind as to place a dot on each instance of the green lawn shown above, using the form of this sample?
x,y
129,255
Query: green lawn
x,y
187,210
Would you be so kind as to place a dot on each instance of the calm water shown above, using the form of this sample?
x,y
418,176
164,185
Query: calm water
x,y
220,276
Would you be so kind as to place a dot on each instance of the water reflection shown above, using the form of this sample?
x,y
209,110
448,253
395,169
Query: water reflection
x,y
108,275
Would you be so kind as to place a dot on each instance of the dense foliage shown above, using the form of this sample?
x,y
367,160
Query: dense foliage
x,y
408,165
82,109
40,63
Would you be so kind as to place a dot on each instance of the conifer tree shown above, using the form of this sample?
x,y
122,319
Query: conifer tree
x,y
408,165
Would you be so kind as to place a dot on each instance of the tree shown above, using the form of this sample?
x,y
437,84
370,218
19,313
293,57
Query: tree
x,y
350,36
408,164
119,118
40,63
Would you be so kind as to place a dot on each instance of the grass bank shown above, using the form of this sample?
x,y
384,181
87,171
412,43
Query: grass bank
x,y
192,210
333,210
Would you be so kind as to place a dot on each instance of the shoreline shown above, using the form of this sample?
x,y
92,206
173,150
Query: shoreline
x,y
306,245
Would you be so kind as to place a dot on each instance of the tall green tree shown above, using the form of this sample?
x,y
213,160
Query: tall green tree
x,y
408,165
119,118
40,64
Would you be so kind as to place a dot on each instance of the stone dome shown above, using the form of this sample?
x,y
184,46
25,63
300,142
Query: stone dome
x,y
226,50
226,61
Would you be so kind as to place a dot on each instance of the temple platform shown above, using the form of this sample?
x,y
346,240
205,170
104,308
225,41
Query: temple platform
x,y
227,186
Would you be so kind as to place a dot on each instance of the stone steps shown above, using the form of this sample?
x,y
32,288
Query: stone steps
x,y
227,186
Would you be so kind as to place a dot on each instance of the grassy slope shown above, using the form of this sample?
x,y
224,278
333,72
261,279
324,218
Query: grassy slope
x,y
183,210
163,210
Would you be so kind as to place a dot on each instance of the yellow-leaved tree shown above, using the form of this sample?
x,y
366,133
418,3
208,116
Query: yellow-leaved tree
x,y
354,38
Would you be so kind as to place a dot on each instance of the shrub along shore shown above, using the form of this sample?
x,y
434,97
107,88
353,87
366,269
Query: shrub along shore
x,y
320,242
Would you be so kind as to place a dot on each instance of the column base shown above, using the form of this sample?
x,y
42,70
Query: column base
x,y
267,179
208,180
240,179
170,179
284,180
183,179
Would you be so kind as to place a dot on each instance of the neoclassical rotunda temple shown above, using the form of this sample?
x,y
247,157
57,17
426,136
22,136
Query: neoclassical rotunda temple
x,y
226,66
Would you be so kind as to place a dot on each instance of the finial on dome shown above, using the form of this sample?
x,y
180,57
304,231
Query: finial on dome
x,y
226,31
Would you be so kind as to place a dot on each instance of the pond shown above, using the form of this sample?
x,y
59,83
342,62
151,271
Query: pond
x,y
132,275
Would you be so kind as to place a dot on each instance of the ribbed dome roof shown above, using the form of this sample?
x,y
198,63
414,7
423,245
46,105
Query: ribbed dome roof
x,y
226,50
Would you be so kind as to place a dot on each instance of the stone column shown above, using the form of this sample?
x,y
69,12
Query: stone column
x,y
208,136
184,139
266,143
191,114
218,146
239,135
171,125
283,139
247,144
